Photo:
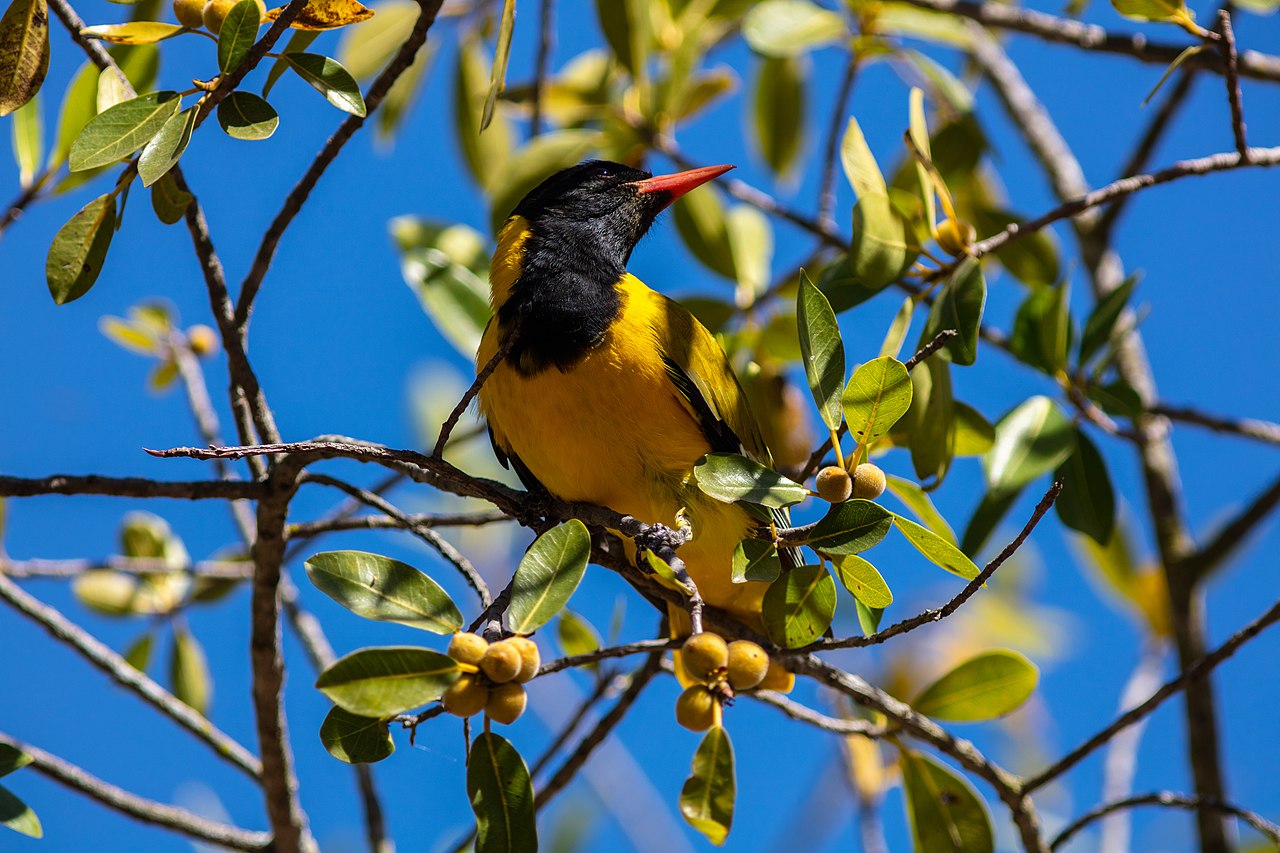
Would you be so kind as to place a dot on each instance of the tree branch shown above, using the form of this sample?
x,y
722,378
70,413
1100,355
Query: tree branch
x,y
1231,61
1247,427
97,653
221,569
127,487
1225,542
139,808
1167,799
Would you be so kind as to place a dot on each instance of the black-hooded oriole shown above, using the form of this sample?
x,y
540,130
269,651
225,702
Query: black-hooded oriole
x,y
611,392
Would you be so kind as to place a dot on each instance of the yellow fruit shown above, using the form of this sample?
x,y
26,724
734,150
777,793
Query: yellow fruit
x,y
777,679
955,236
748,664
216,11
506,703
202,339
190,13
696,708
530,659
703,654
501,662
868,481
467,648
834,484
465,697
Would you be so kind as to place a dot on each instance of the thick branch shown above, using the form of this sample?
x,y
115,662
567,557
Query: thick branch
x,y
105,659
139,808
127,487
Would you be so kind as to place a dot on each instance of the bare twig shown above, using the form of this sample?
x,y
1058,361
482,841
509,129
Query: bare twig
x,y
98,654
1267,431
636,648
127,487
221,569
940,613
546,43
1168,799
308,529
1196,671
1231,61
446,429
298,195
139,808
1234,533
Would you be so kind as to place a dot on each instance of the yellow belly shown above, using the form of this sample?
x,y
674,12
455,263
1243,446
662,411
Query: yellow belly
x,y
613,431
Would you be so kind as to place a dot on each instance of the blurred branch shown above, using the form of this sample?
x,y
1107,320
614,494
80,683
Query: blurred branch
x,y
1248,427
1167,799
345,513
139,808
1233,534
1095,38
446,429
308,529
940,613
1231,61
425,533
105,659
546,42
221,569
128,487
1120,763
827,190
1197,670
298,195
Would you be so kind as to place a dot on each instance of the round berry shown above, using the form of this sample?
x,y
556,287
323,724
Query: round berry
x,y
703,654
501,662
466,697
868,481
506,703
748,664
696,708
467,648
834,484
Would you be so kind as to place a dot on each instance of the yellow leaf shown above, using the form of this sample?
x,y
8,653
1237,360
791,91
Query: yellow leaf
x,y
326,14
865,767
136,32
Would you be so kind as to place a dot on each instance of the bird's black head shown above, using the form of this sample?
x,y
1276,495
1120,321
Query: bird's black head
x,y
606,204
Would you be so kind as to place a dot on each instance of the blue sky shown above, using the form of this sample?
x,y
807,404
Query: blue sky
x,y
340,346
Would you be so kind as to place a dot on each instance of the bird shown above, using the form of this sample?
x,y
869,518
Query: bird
x,y
609,392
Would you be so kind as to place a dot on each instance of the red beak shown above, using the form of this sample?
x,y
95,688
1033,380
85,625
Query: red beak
x,y
681,182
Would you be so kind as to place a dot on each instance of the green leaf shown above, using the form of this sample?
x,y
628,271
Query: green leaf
x,y
982,688
79,249
354,739
299,41
850,528
24,52
18,816
486,154
27,141
628,31
168,200
930,423
189,671
12,759
547,576
959,306
366,49
79,106
791,27
1117,398
385,681
990,510
945,813
1087,502
501,54
545,155
239,32
974,434
821,349
799,606
707,798
877,396
1042,329
863,581
897,334
1102,320
701,222
1031,440
879,253
1032,259
1153,10
243,115
501,794
453,296
937,549
868,618
756,560
329,78
165,149
384,590
138,655
730,477
917,500
779,111
112,89
576,635
751,245
123,129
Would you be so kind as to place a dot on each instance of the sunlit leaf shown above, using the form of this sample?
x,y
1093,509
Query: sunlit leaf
x,y
897,334
168,200
730,477
384,590
354,739
79,249
851,528
863,581
243,115
756,560
982,688
917,499
324,14
791,27
547,576
138,655
707,798
238,33
329,78
382,682
930,423
165,148
959,306
487,154
24,52
1031,440
501,793
28,133
18,816
974,434
12,759
779,111
576,635
299,41
751,244
134,32
1153,10
945,813
822,351
501,54
878,394
701,222
799,606
189,671
936,548
123,129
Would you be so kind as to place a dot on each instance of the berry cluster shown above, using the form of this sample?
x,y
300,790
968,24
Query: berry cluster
x,y
835,485
720,669
208,13
492,677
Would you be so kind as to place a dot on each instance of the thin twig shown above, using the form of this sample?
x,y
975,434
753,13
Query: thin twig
x,y
1168,799
636,648
442,440
298,195
940,613
1267,431
1227,45
128,487
139,808
300,534
220,569
308,529
603,684
546,43
105,659
1192,673
1234,533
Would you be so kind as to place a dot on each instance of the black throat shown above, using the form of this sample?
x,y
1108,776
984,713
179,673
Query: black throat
x,y
566,296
